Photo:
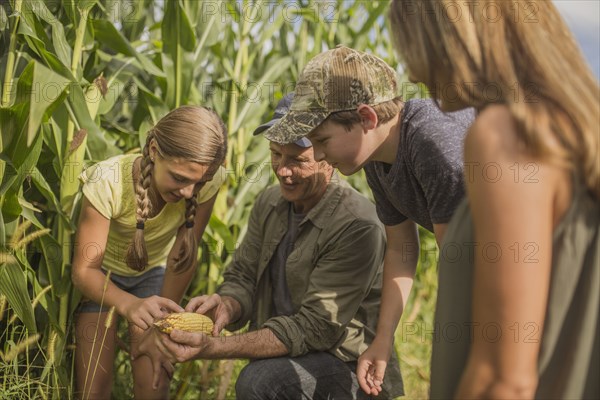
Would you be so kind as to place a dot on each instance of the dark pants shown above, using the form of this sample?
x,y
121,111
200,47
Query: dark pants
x,y
312,376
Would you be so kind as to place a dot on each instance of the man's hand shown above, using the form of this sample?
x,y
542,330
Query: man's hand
x,y
222,310
182,346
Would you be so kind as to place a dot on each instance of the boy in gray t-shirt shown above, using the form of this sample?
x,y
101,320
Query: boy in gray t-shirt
x,y
424,182
346,104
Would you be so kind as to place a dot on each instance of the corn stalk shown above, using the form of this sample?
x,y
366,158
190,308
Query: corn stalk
x,y
6,95
10,63
73,163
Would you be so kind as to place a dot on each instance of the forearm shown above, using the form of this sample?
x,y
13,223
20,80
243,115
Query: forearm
x,y
391,307
397,284
258,344
505,366
399,266
98,287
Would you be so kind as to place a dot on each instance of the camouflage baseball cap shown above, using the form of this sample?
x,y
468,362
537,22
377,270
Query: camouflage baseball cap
x,y
337,80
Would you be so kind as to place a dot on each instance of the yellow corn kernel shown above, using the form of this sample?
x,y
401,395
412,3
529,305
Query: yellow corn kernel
x,y
185,321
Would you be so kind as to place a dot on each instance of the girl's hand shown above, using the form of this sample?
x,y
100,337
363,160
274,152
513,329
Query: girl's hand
x,y
143,312
371,366
149,343
219,309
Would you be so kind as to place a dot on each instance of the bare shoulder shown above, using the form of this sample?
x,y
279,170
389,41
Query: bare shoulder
x,y
494,145
493,134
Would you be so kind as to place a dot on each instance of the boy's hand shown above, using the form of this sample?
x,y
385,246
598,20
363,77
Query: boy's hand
x,y
143,312
371,367
220,309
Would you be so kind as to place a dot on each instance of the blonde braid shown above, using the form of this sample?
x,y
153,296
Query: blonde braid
x,y
137,255
189,249
193,134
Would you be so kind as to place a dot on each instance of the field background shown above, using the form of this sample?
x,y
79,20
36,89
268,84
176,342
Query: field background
x,y
85,80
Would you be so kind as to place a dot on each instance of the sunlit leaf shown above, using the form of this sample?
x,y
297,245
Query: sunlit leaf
x,y
47,87
59,41
106,33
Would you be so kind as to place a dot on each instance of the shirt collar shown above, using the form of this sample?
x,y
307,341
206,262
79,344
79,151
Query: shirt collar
x,y
323,210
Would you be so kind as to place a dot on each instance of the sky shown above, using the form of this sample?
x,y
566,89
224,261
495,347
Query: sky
x,y
583,17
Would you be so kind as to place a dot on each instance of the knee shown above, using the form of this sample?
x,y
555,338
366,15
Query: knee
x,y
100,387
255,382
143,376
144,390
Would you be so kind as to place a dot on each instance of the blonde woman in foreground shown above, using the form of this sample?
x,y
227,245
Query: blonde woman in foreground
x,y
518,303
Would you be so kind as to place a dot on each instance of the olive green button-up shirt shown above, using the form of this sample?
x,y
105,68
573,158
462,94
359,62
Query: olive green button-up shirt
x,y
333,274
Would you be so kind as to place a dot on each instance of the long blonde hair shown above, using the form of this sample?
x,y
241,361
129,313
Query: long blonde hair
x,y
191,133
522,50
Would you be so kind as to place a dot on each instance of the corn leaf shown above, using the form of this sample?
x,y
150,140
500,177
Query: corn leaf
x,y
106,33
59,41
52,253
99,146
47,87
11,209
39,46
14,286
220,228
10,174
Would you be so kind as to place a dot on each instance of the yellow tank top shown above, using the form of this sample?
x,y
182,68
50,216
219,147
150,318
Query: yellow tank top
x,y
108,185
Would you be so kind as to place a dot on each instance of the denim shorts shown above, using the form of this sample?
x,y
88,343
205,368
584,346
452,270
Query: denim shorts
x,y
145,285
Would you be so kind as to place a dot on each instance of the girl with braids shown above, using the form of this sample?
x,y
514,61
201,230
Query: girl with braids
x,y
137,242
518,304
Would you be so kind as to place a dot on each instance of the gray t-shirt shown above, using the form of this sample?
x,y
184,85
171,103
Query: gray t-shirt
x,y
425,183
282,302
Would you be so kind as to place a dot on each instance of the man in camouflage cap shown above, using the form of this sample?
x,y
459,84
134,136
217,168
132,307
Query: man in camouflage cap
x,y
411,152
311,299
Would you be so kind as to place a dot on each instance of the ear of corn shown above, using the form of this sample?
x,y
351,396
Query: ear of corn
x,y
185,321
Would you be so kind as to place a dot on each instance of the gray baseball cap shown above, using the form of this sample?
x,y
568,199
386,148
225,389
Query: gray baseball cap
x,y
282,108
